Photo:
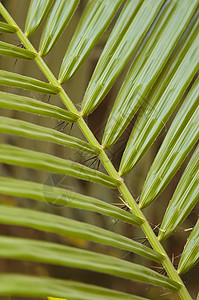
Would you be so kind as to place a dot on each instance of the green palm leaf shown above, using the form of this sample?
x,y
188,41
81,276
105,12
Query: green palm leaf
x,y
123,47
29,105
41,161
36,13
184,199
20,81
53,223
57,20
159,107
69,256
25,286
131,96
6,28
13,51
27,129
190,254
160,41
60,196
180,139
95,19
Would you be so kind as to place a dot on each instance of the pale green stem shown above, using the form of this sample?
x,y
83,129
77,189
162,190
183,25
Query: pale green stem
x,y
150,235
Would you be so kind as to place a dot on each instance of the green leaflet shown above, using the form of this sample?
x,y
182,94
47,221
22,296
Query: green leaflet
x,y
69,227
133,92
58,196
180,139
6,28
38,9
184,198
57,20
49,163
190,254
16,52
29,130
146,48
25,82
21,103
161,103
119,50
94,21
24,285
45,252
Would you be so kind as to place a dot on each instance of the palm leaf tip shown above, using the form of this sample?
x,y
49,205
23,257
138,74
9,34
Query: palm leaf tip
x,y
119,49
183,134
190,254
7,28
94,21
52,253
139,80
58,19
29,83
38,9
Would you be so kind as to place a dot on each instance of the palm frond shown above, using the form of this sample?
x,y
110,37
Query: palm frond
x,y
159,40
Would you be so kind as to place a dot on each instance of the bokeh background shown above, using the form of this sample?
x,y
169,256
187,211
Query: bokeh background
x,y
75,88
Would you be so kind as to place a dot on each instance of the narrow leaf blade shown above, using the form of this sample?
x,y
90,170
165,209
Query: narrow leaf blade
x,y
24,285
37,11
120,49
57,21
184,198
30,105
16,52
45,252
162,102
150,41
49,163
6,28
133,92
25,82
190,254
69,227
58,196
180,139
94,21
26,129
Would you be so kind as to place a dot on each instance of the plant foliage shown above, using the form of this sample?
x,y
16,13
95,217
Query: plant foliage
x,y
158,41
